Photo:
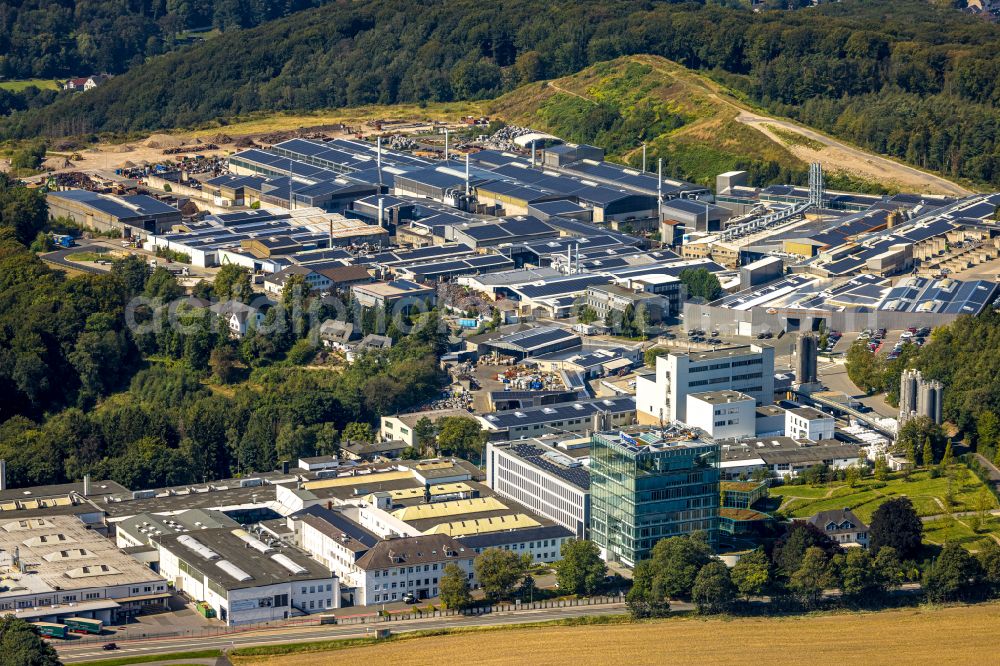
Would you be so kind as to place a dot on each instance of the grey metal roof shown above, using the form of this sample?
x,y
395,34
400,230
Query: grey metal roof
x,y
122,207
559,412
495,539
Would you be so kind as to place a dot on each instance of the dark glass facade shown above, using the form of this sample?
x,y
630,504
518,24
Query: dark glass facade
x,y
643,490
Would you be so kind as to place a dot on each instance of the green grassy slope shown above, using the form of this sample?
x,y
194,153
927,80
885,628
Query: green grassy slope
x,y
684,118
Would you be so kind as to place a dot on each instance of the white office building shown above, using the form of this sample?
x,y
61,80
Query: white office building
x,y
722,414
548,481
808,423
661,395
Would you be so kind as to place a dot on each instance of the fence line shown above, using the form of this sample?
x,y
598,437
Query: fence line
x,y
374,618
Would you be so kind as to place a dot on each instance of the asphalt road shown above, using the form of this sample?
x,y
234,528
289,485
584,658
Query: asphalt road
x,y
834,377
70,653
58,258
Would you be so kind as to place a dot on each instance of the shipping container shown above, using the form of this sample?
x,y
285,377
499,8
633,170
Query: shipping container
x,y
84,625
50,629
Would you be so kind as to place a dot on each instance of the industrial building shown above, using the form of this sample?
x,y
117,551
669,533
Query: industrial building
x,y
56,567
401,295
650,485
798,302
785,456
577,418
246,579
126,215
646,306
761,271
527,343
661,395
267,241
695,215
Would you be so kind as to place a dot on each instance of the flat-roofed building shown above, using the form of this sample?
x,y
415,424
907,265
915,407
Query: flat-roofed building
x,y
244,578
808,423
662,394
576,418
401,426
605,298
647,486
785,456
546,480
722,414
401,293
107,212
56,567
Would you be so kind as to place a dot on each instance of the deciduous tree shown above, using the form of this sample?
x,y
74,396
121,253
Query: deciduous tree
x,y
581,570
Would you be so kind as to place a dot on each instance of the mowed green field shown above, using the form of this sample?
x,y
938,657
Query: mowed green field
x,y
929,495
19,85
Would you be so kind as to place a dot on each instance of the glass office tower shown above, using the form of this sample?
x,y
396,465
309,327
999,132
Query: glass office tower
x,y
648,487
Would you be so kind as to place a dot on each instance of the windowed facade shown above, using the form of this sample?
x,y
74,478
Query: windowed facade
x,y
642,492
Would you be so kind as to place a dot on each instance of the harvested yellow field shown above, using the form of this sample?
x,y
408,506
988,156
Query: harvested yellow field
x,y
955,635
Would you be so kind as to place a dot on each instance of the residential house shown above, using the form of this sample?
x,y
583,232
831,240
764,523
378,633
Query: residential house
x,y
842,526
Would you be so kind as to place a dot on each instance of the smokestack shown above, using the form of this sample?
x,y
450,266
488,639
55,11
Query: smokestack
x,y
467,174
378,162
532,152
86,485
3,475
569,259
659,185
445,144
644,158
381,209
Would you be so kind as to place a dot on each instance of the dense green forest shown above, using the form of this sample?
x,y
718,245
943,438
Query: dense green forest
x,y
83,392
62,38
903,77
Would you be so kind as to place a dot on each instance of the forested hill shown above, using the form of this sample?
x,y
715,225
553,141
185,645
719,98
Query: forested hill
x,y
48,38
899,77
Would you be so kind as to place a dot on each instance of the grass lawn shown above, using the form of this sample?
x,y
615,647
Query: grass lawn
x,y
18,86
141,659
925,635
947,529
927,494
